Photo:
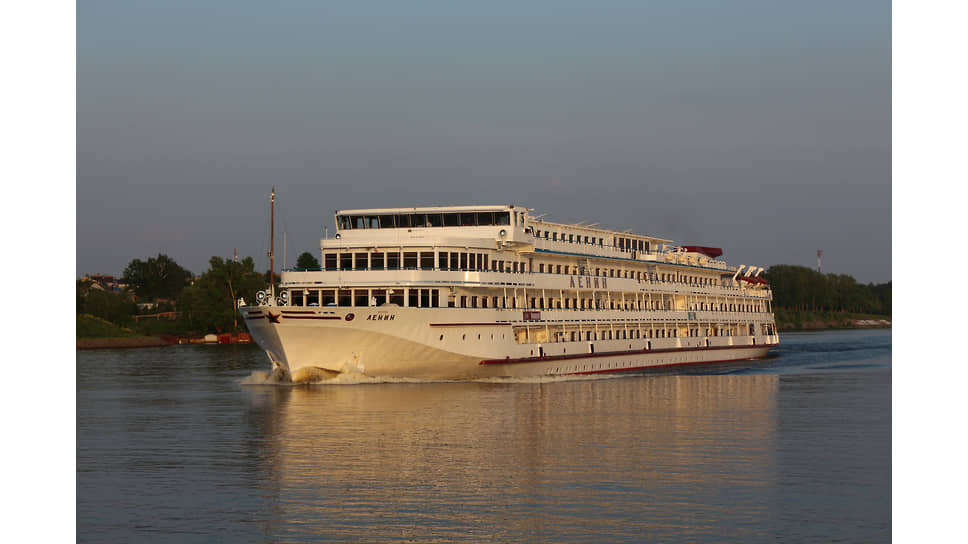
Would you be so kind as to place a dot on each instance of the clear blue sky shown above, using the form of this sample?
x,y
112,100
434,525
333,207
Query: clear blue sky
x,y
763,127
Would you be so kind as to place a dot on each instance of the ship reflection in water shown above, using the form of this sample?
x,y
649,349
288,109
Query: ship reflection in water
x,y
628,459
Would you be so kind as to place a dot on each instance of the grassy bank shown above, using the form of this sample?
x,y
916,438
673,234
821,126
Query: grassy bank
x,y
790,321
96,333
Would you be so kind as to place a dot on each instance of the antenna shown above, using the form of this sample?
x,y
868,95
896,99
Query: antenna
x,y
272,239
819,258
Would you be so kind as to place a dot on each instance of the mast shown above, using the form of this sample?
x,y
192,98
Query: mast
x,y
272,239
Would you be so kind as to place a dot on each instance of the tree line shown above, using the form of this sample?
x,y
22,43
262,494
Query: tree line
x,y
206,304
798,288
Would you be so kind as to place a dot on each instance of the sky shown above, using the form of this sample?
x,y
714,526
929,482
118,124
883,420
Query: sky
x,y
761,127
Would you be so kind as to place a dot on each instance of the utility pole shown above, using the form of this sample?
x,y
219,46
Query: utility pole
x,y
819,257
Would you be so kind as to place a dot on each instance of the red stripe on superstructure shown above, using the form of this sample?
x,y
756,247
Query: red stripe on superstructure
x,y
547,358
312,317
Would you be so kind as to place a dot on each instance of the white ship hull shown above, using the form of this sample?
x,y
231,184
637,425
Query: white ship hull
x,y
309,344
472,292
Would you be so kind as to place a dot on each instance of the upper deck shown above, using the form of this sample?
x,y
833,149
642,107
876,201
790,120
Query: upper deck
x,y
503,228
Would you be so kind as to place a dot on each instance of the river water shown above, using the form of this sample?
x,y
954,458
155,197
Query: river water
x,y
173,446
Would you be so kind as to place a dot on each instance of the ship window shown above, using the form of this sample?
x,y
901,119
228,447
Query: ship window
x,y
345,223
297,297
473,302
455,261
451,220
413,298
571,238
559,269
346,261
502,218
435,298
345,297
554,236
435,220
472,265
376,261
541,268
463,261
427,260
396,297
410,260
393,261
379,296
425,298
444,263
418,220
485,218
329,297
388,221
372,222
330,260
361,261
545,235
359,222
361,297
468,220
403,221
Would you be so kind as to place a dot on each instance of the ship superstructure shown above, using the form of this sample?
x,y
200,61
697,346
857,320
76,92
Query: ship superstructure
x,y
464,292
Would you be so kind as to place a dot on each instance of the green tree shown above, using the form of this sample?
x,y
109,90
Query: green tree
x,y
114,307
306,261
212,303
158,277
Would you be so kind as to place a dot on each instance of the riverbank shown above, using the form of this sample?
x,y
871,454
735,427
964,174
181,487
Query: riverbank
x,y
815,321
123,342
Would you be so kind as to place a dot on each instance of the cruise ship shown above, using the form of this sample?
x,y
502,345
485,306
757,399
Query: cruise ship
x,y
476,292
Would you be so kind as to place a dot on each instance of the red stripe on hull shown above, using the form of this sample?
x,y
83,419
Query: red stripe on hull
x,y
499,324
612,354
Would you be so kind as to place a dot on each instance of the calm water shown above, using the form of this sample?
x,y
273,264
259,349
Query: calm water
x,y
172,447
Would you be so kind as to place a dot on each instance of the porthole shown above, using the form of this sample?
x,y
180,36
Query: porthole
x,y
463,337
441,338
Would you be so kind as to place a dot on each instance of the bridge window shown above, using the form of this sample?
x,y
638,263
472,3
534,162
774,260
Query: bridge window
x,y
427,260
451,220
485,219
388,221
468,220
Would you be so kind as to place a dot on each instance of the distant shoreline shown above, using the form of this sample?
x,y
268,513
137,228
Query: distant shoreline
x,y
824,325
121,343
